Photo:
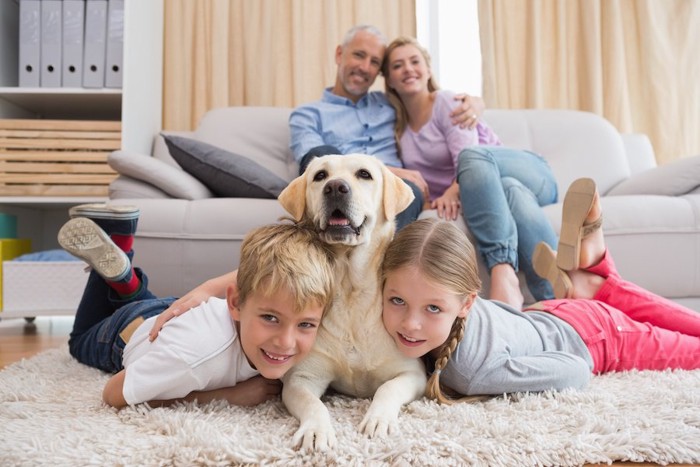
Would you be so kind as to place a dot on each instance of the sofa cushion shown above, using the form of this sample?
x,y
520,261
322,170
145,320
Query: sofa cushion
x,y
225,173
164,177
676,178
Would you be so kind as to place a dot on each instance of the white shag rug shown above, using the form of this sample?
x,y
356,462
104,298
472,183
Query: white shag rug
x,y
51,414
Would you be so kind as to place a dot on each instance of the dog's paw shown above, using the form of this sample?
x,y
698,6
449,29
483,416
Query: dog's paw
x,y
315,435
378,423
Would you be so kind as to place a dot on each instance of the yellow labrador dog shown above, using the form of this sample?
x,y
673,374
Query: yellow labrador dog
x,y
351,201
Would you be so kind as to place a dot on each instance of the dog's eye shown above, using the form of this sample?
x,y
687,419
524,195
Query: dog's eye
x,y
320,175
364,174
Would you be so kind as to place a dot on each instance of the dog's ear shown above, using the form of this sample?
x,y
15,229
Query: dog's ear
x,y
397,194
293,197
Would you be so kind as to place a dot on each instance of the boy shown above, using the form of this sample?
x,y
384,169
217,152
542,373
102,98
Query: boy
x,y
233,349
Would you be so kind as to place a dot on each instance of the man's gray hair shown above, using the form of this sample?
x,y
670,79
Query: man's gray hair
x,y
350,35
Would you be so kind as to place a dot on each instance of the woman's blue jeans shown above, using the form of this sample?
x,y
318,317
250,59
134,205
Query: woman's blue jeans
x,y
102,315
502,192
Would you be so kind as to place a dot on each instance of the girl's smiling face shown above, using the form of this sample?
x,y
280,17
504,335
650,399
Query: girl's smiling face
x,y
418,313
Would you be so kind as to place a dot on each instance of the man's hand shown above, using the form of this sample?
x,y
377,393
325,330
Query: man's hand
x,y
413,176
467,114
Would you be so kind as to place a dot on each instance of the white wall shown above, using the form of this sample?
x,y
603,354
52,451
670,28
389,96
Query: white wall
x,y
449,29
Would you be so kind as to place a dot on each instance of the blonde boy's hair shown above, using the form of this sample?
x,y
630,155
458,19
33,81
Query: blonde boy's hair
x,y
286,256
444,254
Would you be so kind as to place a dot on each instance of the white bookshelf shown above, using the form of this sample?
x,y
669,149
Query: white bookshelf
x,y
138,105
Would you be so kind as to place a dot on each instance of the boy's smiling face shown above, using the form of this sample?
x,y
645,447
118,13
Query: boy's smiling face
x,y
274,337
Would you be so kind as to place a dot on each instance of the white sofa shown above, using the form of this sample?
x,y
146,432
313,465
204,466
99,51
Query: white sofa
x,y
651,214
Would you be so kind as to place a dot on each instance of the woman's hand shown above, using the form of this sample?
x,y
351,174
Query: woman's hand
x,y
448,206
212,288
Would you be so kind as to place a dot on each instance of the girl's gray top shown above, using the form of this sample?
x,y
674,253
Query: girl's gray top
x,y
505,350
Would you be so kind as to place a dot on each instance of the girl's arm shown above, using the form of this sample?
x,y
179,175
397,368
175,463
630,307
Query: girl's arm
x,y
215,287
553,370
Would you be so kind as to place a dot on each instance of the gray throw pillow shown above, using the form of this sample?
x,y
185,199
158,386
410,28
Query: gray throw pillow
x,y
226,174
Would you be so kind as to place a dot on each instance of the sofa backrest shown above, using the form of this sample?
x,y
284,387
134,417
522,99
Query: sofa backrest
x,y
574,143
259,133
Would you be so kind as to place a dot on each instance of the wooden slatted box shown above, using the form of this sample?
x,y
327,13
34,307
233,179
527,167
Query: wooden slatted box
x,y
57,157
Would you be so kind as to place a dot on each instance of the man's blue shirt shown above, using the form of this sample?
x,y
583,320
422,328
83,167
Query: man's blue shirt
x,y
366,127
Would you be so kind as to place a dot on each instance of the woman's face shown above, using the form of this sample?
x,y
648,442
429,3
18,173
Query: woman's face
x,y
417,312
408,71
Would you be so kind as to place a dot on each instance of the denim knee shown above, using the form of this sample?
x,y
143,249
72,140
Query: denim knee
x,y
313,153
413,210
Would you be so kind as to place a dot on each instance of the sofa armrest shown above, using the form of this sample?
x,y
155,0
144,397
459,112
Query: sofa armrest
x,y
126,187
172,180
640,152
676,178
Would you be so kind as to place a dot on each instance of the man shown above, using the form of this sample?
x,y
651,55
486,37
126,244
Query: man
x,y
350,119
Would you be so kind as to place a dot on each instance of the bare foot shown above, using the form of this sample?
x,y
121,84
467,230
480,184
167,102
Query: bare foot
x,y
505,286
593,244
584,284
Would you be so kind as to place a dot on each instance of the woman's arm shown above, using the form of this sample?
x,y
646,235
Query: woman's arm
x,y
215,287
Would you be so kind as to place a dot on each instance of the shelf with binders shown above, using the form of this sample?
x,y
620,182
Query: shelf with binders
x,y
60,103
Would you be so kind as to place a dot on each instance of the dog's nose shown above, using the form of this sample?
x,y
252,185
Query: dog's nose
x,y
336,188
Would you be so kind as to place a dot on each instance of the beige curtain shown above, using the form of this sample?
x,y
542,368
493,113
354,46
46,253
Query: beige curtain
x,y
220,53
635,62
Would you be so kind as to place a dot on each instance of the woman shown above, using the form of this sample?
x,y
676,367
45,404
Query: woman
x,y
499,190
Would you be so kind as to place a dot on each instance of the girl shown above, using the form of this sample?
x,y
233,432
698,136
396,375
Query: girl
x,y
599,322
501,190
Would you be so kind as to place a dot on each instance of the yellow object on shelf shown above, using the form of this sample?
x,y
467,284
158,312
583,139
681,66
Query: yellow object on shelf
x,y
11,248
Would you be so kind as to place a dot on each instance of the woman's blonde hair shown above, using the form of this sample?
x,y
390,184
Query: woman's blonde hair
x,y
392,95
287,255
444,254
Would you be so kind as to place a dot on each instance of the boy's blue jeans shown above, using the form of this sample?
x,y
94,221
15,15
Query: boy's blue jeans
x,y
502,192
102,315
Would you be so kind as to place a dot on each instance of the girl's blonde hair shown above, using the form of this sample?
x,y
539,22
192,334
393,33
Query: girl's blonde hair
x,y
287,255
392,95
444,254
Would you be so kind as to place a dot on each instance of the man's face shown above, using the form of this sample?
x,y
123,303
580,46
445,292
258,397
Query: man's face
x,y
359,63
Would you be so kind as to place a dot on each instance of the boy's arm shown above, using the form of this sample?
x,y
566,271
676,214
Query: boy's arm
x,y
247,393
215,287
113,393
254,391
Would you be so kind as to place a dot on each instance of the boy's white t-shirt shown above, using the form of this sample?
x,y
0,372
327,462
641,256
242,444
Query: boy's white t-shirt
x,y
198,350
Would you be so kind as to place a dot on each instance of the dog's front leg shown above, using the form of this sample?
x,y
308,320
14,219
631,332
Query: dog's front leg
x,y
301,395
383,413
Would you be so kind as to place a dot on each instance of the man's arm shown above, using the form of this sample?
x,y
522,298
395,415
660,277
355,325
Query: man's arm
x,y
304,131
